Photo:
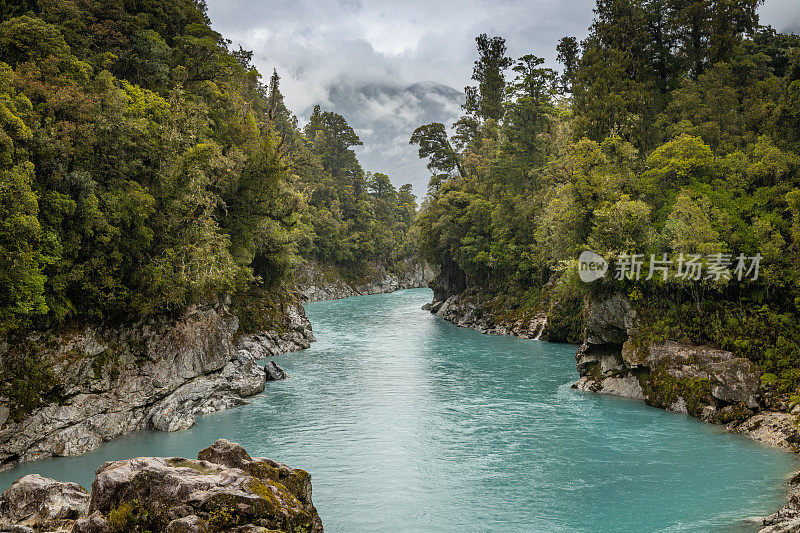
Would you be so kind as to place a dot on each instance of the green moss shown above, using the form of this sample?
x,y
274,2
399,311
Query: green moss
x,y
186,463
733,413
664,389
222,518
107,358
129,517
264,492
768,379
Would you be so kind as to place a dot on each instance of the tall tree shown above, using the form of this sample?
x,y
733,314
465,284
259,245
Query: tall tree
x,y
568,52
486,101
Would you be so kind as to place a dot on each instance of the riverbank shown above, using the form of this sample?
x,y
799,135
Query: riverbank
x,y
94,383
393,408
709,384
97,383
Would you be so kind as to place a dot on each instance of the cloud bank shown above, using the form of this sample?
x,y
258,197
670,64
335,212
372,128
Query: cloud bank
x,y
370,60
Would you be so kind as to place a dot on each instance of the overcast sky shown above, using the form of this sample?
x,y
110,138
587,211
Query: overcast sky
x,y
316,45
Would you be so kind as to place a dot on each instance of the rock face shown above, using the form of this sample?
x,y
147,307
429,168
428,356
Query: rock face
x,y
158,374
551,320
468,310
786,520
770,427
704,382
274,372
316,283
42,504
450,281
295,336
223,490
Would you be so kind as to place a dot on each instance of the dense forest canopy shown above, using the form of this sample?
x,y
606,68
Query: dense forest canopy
x,y
674,127
144,166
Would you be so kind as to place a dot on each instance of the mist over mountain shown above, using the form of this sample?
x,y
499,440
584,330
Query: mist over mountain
x,y
385,115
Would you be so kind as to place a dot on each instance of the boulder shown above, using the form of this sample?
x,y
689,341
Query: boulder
x,y
274,372
223,490
35,501
226,453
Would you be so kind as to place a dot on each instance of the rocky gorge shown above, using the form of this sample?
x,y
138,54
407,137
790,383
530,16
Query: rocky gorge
x,y
159,373
101,382
701,381
224,489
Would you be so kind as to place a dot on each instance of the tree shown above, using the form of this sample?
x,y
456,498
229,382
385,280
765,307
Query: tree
x,y
22,283
568,52
529,108
435,146
486,101
380,186
277,112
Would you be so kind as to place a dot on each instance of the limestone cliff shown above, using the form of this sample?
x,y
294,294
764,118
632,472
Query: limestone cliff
x,y
316,282
707,383
111,380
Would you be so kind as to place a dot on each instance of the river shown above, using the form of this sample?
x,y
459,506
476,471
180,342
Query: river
x,y
408,423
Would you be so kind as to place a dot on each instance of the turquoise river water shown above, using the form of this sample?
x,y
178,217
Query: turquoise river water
x,y
408,423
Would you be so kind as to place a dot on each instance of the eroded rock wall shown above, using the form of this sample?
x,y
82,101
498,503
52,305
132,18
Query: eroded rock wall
x,y
157,374
707,383
317,282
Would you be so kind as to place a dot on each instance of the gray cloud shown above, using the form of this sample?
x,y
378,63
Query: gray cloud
x,y
357,56
318,44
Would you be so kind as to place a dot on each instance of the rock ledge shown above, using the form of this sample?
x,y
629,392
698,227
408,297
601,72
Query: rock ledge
x,y
223,490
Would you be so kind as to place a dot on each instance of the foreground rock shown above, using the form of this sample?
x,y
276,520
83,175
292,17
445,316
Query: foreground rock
x,y
157,374
316,282
42,504
223,490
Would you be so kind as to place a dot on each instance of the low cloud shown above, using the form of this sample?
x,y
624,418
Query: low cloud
x,y
356,57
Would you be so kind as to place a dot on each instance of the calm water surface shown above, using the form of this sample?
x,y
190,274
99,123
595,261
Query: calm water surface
x,y
408,423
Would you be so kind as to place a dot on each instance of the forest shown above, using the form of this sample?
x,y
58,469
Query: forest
x,y
146,166
674,127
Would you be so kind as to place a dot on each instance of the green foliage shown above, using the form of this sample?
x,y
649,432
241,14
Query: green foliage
x,y
353,219
28,380
759,332
144,168
674,130
129,517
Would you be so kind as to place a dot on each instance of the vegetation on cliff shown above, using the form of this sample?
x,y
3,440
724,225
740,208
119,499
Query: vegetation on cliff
x,y
673,128
144,167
